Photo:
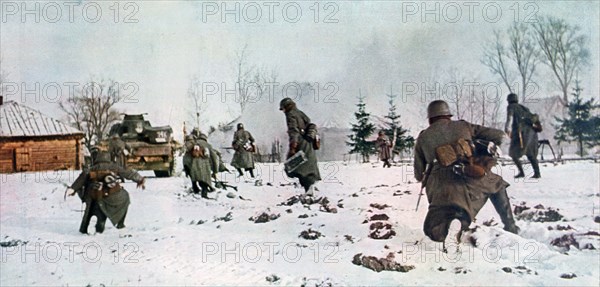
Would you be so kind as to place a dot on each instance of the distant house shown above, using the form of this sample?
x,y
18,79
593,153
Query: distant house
x,y
32,141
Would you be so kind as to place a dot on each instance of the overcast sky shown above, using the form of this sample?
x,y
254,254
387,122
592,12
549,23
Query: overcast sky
x,y
160,45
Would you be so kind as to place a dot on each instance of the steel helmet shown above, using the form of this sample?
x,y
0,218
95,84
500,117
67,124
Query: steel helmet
x,y
285,103
438,108
512,98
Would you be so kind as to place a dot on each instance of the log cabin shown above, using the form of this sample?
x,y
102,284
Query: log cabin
x,y
32,141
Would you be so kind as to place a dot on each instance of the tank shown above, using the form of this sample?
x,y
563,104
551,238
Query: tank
x,y
150,148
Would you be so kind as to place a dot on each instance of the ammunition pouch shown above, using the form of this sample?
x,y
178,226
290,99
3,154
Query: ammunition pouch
x,y
466,159
103,184
452,153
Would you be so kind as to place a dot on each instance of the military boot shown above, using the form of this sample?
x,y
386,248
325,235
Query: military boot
x,y
520,168
251,170
502,205
121,223
100,226
204,192
536,167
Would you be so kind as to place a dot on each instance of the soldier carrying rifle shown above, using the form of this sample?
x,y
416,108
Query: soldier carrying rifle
x,y
522,127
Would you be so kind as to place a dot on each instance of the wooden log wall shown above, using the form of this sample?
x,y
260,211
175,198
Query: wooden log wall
x,y
40,154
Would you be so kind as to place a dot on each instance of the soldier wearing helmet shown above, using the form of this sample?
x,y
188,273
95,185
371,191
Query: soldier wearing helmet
x,y
200,162
523,137
453,194
307,173
119,150
243,144
104,197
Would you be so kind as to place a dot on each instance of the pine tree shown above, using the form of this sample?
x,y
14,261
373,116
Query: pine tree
x,y
579,125
403,141
362,129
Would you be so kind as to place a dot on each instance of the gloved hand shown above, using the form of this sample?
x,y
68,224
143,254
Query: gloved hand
x,y
142,183
293,149
70,191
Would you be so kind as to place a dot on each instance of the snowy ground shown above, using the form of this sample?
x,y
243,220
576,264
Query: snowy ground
x,y
173,238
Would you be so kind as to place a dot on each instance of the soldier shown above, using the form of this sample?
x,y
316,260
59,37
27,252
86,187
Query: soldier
x,y
243,144
118,150
200,163
188,145
195,133
523,138
453,195
307,173
104,197
384,145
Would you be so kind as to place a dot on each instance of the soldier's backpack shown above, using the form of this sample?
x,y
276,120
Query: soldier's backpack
x,y
102,183
312,134
531,119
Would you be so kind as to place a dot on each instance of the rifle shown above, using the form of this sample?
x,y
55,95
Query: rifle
x,y
424,183
223,185
66,190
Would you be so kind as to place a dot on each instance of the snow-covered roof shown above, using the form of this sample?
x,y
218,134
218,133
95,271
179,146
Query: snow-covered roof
x,y
21,121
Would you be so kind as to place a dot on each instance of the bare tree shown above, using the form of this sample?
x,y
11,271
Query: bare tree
x,y
200,104
244,77
495,57
455,89
92,110
467,98
251,81
564,49
262,78
524,52
492,110
521,51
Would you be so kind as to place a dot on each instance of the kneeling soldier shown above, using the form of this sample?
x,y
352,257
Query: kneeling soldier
x,y
104,197
458,181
